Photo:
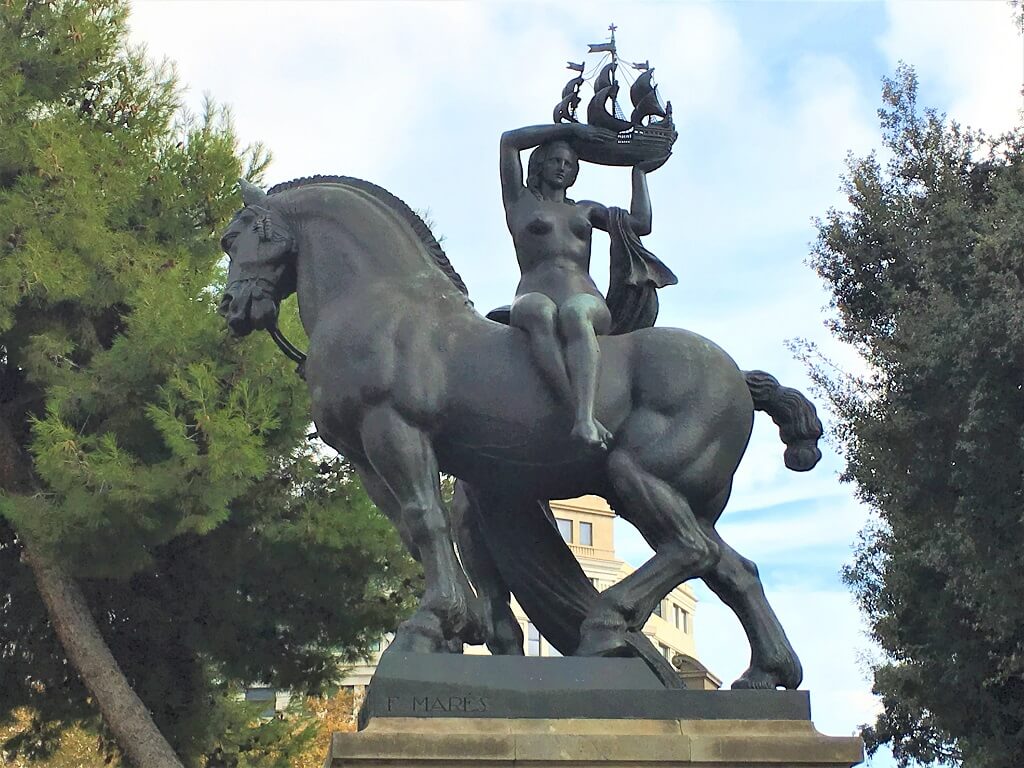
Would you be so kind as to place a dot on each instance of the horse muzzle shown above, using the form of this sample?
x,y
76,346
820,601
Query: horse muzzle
x,y
247,306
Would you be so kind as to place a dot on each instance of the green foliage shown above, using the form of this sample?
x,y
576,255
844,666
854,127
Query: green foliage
x,y
274,742
926,269
167,464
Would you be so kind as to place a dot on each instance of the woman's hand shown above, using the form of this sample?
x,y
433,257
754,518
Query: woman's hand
x,y
652,165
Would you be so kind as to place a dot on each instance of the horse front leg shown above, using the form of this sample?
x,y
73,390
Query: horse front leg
x,y
382,498
403,459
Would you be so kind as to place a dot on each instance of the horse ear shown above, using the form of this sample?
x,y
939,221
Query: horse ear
x,y
251,194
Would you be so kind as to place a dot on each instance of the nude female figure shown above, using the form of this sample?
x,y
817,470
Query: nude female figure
x,y
557,302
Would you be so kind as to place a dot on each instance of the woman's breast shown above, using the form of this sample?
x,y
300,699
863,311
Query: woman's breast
x,y
580,226
561,226
540,225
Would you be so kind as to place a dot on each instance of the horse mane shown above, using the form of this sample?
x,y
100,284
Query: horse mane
x,y
419,226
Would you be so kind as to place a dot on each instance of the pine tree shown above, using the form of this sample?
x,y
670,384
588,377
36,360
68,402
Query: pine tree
x,y
926,269
156,483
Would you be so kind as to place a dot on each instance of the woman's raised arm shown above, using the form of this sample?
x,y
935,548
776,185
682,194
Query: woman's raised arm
x,y
514,142
639,217
640,205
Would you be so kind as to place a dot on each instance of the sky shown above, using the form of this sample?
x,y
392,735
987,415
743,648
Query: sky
x,y
768,100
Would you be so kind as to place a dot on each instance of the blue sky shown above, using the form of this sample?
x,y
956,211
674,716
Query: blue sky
x,y
768,98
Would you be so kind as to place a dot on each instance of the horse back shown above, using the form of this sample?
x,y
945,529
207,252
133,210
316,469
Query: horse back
x,y
500,414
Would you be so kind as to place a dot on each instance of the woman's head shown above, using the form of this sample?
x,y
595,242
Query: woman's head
x,y
554,162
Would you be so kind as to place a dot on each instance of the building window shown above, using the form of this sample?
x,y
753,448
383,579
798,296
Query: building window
x,y
682,619
264,696
377,645
532,640
657,609
665,651
587,534
565,528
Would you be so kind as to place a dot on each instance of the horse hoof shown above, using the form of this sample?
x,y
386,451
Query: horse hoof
x,y
759,679
603,640
420,634
506,643
453,615
476,630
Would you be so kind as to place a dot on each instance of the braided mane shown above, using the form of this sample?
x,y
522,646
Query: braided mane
x,y
411,217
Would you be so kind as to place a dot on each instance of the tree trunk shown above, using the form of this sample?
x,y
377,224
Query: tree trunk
x,y
137,736
123,711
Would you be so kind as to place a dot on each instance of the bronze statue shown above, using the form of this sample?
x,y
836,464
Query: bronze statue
x,y
406,379
581,395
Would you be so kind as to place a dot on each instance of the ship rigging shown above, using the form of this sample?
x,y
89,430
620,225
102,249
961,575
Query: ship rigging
x,y
645,137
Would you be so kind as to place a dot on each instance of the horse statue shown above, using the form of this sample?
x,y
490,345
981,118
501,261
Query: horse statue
x,y
407,380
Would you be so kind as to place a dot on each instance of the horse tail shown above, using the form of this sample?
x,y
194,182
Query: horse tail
x,y
797,420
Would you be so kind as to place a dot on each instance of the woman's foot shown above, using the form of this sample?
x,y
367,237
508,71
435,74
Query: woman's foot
x,y
591,434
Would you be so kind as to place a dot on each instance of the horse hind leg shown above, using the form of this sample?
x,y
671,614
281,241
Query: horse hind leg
x,y
681,551
735,580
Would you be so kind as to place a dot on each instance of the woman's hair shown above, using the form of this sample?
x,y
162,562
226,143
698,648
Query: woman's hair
x,y
536,162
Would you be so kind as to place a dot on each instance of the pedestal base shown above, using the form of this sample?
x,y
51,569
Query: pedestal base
x,y
464,742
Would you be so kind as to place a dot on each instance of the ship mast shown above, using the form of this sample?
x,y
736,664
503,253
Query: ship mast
x,y
606,86
616,109
608,47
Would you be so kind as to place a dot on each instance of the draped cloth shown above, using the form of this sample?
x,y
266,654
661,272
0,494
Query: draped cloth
x,y
534,563
634,276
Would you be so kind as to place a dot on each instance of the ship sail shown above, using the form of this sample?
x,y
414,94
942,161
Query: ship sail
x,y
566,109
606,88
649,106
572,87
599,116
606,79
644,95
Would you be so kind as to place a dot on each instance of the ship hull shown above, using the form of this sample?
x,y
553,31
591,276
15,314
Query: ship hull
x,y
641,144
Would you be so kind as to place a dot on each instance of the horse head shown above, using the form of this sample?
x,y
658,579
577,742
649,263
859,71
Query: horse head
x,y
259,246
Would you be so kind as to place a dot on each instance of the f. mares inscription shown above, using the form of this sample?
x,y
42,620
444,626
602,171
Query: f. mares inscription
x,y
437,704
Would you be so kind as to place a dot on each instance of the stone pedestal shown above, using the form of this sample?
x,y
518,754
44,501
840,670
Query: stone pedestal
x,y
436,712
400,742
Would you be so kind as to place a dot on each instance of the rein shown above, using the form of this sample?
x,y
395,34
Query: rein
x,y
290,351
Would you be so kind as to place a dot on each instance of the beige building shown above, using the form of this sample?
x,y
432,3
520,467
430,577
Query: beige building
x,y
586,525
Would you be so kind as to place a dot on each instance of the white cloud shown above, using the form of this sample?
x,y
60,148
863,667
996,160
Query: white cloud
x,y
833,521
972,50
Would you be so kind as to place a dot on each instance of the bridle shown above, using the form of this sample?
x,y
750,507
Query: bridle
x,y
264,227
290,351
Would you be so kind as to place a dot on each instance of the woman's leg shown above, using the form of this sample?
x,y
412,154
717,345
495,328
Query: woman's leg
x,y
535,313
580,319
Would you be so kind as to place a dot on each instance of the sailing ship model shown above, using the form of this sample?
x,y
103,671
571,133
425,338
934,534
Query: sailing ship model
x,y
646,137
